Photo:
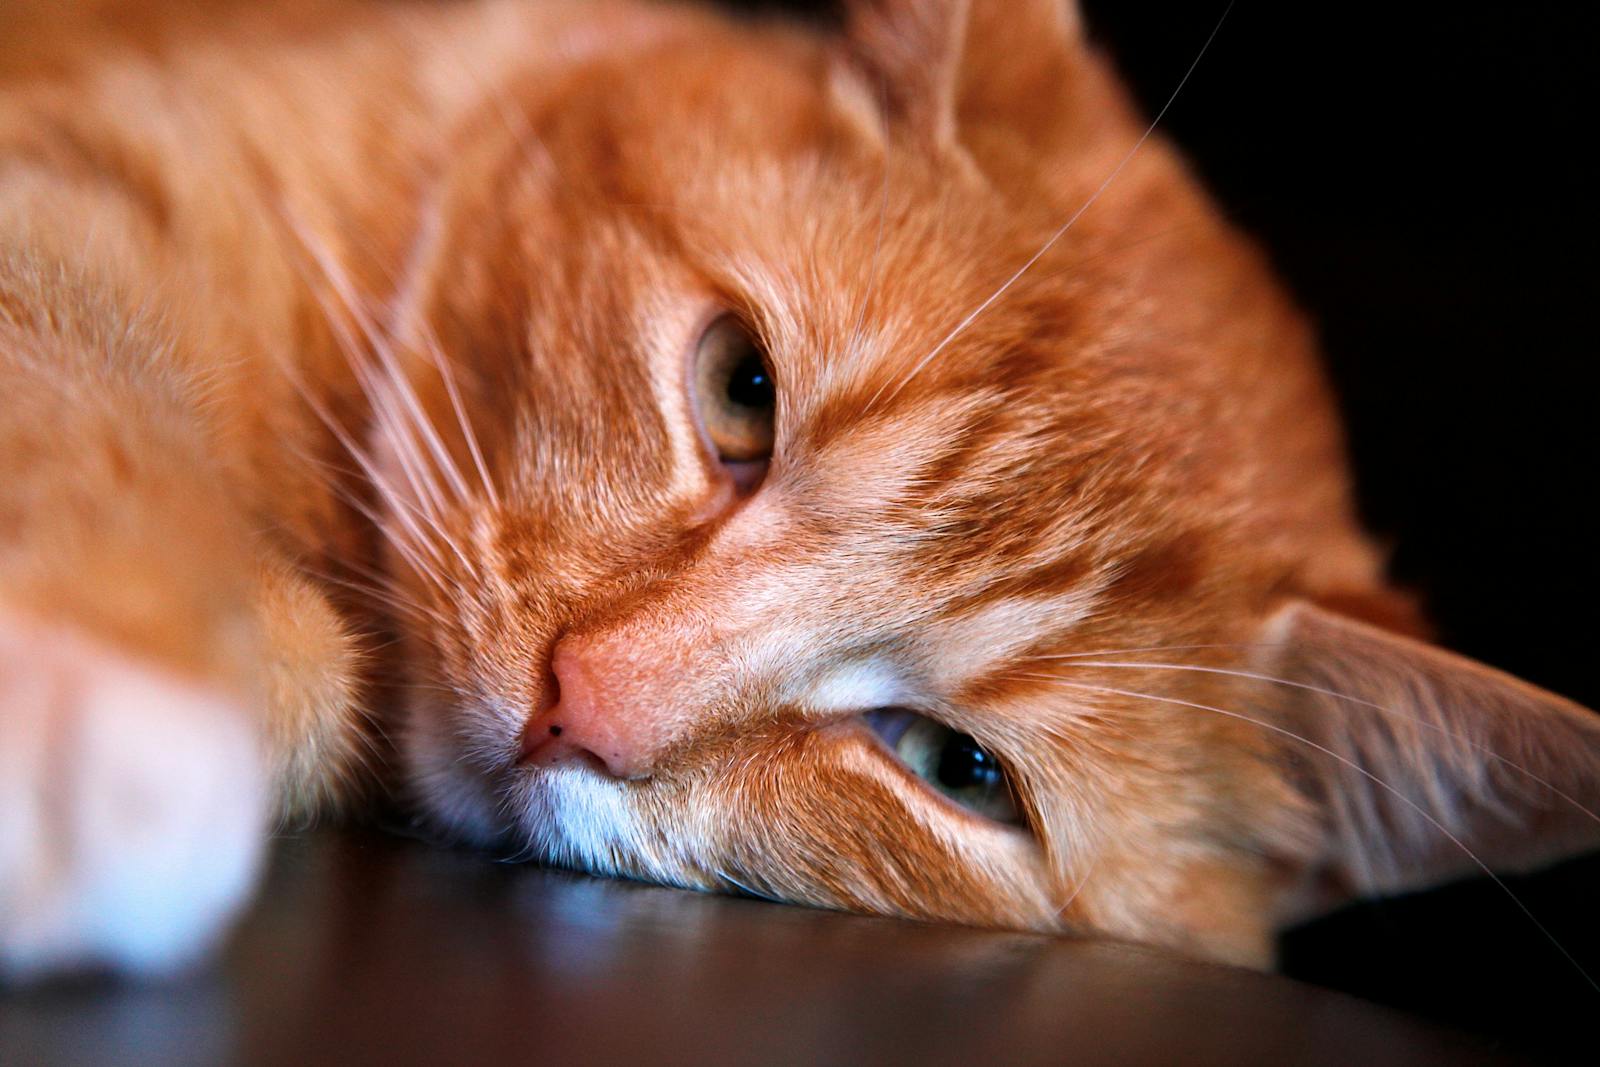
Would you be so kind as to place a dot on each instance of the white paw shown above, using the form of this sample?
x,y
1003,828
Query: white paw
x,y
132,808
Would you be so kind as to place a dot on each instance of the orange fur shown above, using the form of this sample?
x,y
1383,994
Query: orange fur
x,y
372,319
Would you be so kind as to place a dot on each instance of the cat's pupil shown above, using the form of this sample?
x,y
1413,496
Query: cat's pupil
x,y
750,386
963,764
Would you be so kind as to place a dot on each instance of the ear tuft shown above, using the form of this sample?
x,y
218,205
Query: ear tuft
x,y
909,53
1408,746
934,64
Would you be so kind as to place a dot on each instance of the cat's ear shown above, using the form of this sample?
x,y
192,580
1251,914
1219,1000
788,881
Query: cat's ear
x,y
931,65
1416,760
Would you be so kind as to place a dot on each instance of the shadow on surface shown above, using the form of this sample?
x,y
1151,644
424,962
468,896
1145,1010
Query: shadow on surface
x,y
366,949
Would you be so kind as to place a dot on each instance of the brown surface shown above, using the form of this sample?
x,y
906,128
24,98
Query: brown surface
x,y
371,949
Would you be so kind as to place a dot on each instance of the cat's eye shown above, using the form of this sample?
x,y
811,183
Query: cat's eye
x,y
950,761
735,398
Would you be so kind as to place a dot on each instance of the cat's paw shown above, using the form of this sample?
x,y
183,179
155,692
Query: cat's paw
x,y
132,808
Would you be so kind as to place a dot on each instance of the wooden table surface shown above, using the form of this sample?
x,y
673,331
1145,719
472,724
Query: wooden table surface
x,y
368,948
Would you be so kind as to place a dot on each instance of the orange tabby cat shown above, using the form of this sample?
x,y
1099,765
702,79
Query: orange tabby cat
x,y
859,471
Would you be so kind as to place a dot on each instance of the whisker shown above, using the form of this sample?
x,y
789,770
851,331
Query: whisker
x,y
1418,720
401,386
412,463
442,362
722,873
389,598
404,316
383,580
1397,794
1044,249
1119,249
410,547
1225,645
1077,889
342,436
381,402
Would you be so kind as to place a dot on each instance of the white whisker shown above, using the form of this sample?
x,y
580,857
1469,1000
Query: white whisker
x,y
1353,765
342,436
1071,221
1418,720
452,390
417,471
1227,645
396,378
386,596
377,522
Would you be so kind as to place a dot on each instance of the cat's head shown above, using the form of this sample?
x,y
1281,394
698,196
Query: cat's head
x,y
860,473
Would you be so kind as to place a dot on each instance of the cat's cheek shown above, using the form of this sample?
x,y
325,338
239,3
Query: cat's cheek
x,y
133,809
836,823
457,800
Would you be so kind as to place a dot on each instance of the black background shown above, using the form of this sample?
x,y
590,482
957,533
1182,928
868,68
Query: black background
x,y
1419,174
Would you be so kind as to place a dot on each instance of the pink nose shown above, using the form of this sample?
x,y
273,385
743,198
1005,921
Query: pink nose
x,y
597,718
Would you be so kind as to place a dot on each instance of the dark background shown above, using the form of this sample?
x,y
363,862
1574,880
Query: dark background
x,y
1416,170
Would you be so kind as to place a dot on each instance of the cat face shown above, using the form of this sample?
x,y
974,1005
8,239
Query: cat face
x,y
805,511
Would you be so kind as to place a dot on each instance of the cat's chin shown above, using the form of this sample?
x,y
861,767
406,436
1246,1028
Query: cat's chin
x,y
567,815
455,799
572,816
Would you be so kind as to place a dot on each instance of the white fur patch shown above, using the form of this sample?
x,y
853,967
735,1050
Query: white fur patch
x,y
972,645
858,685
133,809
592,817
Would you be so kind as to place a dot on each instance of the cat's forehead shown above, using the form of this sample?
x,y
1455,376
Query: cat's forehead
x,y
933,377
874,278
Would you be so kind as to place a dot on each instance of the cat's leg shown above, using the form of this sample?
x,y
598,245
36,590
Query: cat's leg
x,y
132,805
320,743
150,658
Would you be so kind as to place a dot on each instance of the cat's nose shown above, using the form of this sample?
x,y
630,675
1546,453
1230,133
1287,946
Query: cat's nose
x,y
597,718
